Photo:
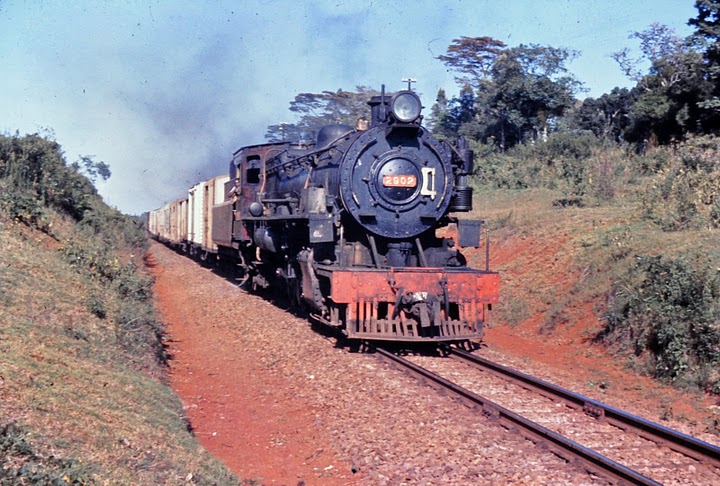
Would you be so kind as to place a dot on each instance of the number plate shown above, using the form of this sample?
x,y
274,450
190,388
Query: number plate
x,y
399,181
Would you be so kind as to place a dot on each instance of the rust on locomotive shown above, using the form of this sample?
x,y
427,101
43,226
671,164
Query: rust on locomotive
x,y
415,304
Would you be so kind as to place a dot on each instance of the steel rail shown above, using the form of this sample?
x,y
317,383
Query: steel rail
x,y
677,441
562,446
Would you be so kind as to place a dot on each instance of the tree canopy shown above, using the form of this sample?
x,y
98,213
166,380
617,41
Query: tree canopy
x,y
509,94
33,174
316,110
707,35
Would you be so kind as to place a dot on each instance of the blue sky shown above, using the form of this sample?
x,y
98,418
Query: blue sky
x,y
165,91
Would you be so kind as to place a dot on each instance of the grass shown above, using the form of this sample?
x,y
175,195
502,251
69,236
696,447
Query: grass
x,y
78,406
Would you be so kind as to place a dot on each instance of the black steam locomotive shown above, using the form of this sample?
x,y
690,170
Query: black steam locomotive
x,y
348,226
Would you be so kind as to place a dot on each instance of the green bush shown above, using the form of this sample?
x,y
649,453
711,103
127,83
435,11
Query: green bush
x,y
652,162
94,256
96,305
700,153
22,206
668,311
686,195
562,162
130,283
35,166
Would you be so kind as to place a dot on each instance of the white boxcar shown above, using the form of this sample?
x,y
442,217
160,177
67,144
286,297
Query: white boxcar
x,y
169,223
182,220
196,212
201,198
214,194
159,223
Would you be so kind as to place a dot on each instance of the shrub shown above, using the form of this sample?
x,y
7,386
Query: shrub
x,y
559,163
132,284
96,305
94,256
603,167
700,153
652,161
22,206
35,166
669,312
687,194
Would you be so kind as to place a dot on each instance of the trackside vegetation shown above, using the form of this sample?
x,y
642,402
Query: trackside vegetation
x,y
83,392
670,317
638,231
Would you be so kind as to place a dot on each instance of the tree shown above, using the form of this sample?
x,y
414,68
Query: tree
x,y
608,116
316,110
668,95
35,170
707,25
448,117
707,35
284,132
92,169
472,56
438,121
520,91
661,48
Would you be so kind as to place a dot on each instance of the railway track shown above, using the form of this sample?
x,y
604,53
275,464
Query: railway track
x,y
604,440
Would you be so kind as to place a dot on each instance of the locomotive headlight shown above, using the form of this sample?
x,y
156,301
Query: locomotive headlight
x,y
406,106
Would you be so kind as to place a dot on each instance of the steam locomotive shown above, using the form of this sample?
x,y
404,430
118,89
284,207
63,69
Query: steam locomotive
x,y
350,226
